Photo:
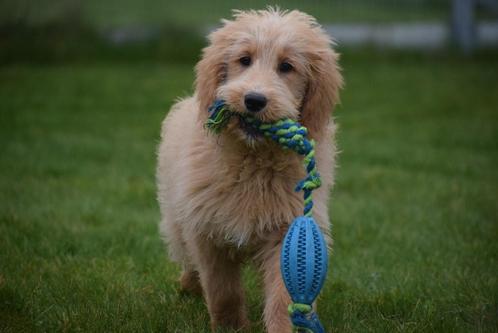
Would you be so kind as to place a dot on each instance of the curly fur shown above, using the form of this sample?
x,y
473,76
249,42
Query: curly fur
x,y
231,198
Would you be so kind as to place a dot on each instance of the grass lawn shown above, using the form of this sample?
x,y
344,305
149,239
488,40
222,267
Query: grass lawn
x,y
414,210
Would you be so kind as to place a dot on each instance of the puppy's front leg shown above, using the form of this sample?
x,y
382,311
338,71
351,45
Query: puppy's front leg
x,y
221,283
276,297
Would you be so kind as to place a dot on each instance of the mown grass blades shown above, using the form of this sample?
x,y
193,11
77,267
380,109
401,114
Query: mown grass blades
x,y
414,213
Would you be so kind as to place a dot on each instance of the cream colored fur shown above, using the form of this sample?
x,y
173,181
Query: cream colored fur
x,y
230,198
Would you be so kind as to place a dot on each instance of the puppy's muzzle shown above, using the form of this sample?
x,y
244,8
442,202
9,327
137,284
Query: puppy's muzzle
x,y
255,102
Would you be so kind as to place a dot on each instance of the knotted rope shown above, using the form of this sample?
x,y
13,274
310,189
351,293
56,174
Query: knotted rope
x,y
304,254
286,132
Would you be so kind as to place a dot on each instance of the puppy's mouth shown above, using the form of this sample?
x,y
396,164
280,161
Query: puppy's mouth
x,y
249,130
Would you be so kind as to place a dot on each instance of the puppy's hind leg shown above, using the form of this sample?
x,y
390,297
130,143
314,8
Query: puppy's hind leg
x,y
178,252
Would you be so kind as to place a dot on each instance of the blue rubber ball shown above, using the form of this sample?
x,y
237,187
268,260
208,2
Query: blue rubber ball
x,y
303,260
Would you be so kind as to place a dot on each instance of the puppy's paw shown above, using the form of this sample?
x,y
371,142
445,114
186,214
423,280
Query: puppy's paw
x,y
190,283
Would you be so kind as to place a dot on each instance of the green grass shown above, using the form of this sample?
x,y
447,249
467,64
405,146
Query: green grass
x,y
414,210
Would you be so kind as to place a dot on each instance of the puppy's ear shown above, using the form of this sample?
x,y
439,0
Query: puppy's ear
x,y
211,69
324,83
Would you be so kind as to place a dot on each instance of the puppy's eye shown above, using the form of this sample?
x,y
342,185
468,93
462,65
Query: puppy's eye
x,y
285,67
245,61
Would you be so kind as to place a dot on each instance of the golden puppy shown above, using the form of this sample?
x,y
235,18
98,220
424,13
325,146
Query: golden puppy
x,y
231,197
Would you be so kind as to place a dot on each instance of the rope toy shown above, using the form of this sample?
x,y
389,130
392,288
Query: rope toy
x,y
303,258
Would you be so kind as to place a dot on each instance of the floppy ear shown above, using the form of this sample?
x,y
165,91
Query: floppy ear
x,y
211,69
322,94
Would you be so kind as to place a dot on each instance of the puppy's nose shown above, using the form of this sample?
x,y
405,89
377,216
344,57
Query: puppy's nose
x,y
255,102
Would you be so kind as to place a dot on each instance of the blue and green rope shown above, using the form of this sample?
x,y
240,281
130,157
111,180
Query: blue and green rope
x,y
289,134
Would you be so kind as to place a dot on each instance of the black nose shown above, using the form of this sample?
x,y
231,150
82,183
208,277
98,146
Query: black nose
x,y
255,102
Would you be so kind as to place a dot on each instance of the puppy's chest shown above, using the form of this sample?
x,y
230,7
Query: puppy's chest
x,y
252,196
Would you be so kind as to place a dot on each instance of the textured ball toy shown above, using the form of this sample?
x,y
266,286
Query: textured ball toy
x,y
303,258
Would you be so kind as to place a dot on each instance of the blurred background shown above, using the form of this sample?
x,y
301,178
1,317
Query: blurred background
x,y
85,84
55,30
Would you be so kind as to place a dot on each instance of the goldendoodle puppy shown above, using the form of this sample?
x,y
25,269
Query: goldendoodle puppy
x,y
230,198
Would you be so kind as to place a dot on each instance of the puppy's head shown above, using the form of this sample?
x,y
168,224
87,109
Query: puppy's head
x,y
273,65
